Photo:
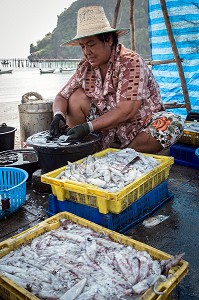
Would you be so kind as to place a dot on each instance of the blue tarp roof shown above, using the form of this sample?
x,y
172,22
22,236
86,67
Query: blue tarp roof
x,y
184,19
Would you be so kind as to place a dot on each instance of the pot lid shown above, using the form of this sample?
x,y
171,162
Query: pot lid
x,y
43,140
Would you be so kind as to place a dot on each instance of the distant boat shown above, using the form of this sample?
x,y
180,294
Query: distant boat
x,y
47,71
6,71
5,62
67,69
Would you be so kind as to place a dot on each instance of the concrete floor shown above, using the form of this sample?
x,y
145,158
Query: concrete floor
x,y
178,234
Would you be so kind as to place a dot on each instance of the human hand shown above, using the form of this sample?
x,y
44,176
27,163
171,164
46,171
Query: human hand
x,y
78,131
58,125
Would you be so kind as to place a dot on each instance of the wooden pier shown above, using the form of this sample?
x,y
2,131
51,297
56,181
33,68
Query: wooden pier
x,y
39,63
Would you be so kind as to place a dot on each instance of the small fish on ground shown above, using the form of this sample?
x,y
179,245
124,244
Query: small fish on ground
x,y
153,221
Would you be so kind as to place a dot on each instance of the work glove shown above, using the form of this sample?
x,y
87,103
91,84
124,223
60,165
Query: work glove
x,y
58,125
79,131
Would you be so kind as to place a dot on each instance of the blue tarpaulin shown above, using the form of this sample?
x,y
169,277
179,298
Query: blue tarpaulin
x,y
184,20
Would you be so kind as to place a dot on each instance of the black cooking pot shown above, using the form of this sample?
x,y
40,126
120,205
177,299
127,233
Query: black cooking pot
x,y
53,154
7,137
25,159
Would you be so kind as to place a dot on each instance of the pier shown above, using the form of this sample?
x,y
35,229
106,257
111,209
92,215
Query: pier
x,y
38,63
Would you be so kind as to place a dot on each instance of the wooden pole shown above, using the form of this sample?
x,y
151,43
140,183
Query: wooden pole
x,y
176,54
161,62
132,25
117,7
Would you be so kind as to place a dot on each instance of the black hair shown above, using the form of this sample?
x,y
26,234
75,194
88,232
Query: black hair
x,y
104,37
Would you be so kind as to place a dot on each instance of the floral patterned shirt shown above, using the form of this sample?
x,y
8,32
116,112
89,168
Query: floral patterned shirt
x,y
128,78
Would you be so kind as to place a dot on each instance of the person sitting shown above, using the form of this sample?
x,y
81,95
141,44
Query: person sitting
x,y
112,91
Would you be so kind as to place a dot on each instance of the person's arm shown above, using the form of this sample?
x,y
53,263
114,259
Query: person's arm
x,y
60,104
123,112
58,124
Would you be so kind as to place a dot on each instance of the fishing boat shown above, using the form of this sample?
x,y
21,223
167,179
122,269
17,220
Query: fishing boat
x,y
67,69
5,62
6,71
47,71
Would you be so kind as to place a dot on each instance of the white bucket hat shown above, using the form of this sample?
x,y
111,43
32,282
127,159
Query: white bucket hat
x,y
91,20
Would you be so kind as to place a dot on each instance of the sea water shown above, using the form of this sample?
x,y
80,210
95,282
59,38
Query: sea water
x,y
21,81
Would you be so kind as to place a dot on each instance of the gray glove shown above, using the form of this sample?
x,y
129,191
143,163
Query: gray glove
x,y
58,125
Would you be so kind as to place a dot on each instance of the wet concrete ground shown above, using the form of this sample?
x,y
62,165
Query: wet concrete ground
x,y
177,234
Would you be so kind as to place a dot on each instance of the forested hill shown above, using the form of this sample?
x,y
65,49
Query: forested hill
x,y
49,46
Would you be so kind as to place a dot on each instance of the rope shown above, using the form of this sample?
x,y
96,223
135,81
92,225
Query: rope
x,y
28,97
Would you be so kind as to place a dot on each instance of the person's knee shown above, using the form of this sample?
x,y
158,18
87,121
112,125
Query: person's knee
x,y
78,108
79,101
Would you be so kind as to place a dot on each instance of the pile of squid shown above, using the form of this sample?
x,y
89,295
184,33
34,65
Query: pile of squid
x,y
192,126
74,262
108,172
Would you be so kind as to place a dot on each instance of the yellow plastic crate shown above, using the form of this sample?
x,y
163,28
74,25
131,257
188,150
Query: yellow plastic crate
x,y
189,137
11,291
91,195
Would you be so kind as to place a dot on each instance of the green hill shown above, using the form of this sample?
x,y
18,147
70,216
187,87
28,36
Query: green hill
x,y
49,46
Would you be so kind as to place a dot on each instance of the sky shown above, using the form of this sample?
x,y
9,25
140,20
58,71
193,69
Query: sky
x,y
24,22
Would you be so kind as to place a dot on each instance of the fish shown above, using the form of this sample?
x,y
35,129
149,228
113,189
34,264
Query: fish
x,y
146,283
153,221
75,291
110,172
74,257
168,264
97,181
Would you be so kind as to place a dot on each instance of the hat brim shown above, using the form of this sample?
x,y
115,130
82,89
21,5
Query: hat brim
x,y
75,40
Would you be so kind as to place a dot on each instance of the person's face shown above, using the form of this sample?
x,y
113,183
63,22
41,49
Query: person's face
x,y
96,51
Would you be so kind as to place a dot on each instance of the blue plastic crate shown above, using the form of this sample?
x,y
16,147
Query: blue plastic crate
x,y
193,115
121,222
185,155
197,152
12,190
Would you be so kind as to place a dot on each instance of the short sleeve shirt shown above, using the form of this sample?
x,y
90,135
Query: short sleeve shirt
x,y
128,78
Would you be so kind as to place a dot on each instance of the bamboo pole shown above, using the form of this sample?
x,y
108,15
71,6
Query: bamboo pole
x,y
161,62
132,25
117,7
176,55
174,105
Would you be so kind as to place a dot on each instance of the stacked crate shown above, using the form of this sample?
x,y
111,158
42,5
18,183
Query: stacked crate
x,y
117,211
197,152
12,291
184,152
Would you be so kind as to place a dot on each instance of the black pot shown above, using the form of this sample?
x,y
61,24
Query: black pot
x,y
7,137
25,159
51,157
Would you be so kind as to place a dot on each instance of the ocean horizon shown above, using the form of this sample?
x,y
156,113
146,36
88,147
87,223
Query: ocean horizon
x,y
23,80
